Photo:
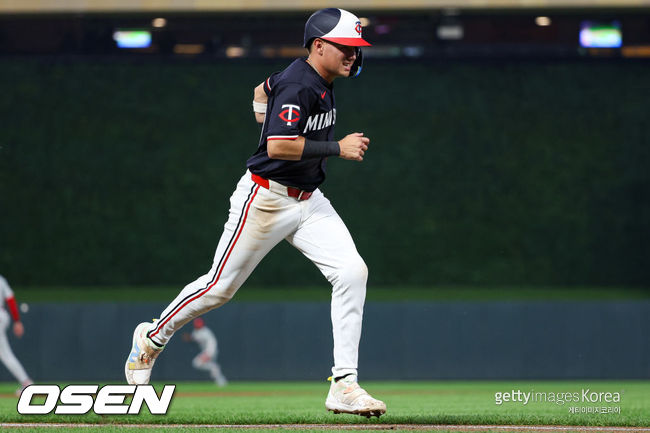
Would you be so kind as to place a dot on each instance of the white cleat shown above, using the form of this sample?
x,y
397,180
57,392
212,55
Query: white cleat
x,y
142,357
346,396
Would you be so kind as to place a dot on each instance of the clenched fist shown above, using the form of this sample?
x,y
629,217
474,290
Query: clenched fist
x,y
354,146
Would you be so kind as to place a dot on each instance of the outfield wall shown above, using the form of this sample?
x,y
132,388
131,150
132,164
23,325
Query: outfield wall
x,y
114,172
402,340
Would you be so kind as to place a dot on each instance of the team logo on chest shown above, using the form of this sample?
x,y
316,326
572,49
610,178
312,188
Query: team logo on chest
x,y
290,114
320,121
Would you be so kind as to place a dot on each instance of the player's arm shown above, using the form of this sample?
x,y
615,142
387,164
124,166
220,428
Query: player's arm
x,y
18,327
261,95
351,147
260,100
288,118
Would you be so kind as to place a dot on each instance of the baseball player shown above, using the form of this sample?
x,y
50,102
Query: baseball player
x,y
6,354
278,198
207,358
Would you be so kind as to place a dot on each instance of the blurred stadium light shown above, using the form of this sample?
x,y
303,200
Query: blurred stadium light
x,y
159,22
40,6
132,38
253,29
597,35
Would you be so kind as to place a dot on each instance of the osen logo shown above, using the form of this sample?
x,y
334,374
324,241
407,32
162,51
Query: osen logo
x,y
80,399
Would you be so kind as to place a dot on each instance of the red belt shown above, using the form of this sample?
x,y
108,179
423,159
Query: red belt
x,y
291,191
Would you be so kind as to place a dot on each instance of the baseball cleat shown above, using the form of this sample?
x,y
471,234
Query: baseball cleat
x,y
346,396
142,357
23,385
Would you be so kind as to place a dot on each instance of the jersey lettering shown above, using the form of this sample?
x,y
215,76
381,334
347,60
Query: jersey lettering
x,y
320,121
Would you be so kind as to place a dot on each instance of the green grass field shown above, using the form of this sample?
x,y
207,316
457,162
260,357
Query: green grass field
x,y
457,403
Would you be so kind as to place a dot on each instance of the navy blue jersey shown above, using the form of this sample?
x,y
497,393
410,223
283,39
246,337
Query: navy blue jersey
x,y
301,103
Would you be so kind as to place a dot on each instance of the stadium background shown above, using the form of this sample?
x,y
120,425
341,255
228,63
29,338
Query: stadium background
x,y
508,157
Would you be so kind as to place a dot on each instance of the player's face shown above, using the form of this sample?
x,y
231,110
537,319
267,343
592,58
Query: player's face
x,y
338,59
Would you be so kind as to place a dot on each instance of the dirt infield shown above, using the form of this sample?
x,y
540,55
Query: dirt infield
x,y
431,427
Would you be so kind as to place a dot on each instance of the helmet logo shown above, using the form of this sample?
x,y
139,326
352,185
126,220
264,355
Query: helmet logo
x,y
291,114
358,27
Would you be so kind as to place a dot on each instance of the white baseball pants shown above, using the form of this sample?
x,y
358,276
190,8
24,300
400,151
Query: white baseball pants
x,y
6,354
203,361
259,219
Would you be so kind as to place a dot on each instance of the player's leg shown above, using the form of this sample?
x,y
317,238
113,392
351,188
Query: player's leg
x,y
219,377
258,220
326,241
204,362
7,355
200,362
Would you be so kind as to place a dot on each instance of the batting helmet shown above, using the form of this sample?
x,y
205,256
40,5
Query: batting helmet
x,y
338,26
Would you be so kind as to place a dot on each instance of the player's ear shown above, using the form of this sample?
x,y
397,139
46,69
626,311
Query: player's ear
x,y
318,46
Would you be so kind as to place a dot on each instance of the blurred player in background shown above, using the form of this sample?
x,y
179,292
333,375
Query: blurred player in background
x,y
207,358
6,354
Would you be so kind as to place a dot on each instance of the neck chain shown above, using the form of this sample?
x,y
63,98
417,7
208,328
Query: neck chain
x,y
314,68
